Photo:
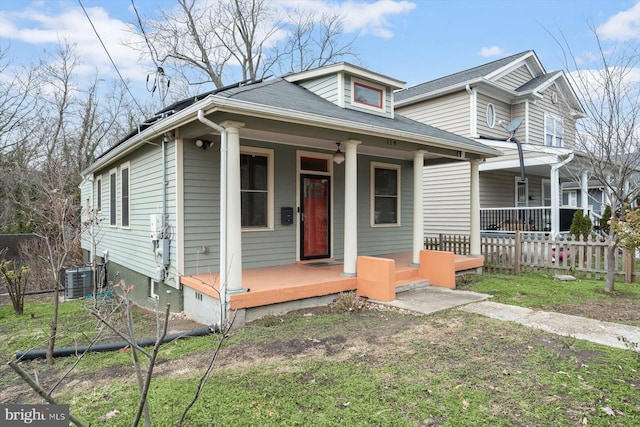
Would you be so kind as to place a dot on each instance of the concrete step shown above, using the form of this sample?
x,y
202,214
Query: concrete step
x,y
407,285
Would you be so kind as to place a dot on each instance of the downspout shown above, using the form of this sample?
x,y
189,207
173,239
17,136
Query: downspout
x,y
555,192
223,212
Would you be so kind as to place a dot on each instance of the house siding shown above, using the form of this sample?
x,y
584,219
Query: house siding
x,y
325,87
544,105
448,112
502,112
377,240
447,199
516,78
131,247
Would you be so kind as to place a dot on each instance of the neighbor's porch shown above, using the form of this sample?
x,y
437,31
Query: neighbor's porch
x,y
280,284
529,219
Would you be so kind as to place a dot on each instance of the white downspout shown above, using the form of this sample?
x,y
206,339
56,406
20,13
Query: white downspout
x,y
223,212
555,193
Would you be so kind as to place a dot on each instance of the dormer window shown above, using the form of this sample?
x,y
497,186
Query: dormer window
x,y
367,95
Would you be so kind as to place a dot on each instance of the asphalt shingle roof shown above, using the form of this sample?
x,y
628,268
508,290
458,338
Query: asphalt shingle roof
x,y
537,81
456,78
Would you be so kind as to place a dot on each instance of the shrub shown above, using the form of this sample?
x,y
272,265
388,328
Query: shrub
x,y
604,221
581,225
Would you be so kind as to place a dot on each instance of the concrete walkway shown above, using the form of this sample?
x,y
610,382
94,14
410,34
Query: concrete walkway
x,y
431,299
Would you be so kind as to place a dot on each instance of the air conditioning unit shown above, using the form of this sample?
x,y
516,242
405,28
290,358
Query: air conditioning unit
x,y
78,282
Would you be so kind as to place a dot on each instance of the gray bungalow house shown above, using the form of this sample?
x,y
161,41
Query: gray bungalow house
x,y
515,106
267,193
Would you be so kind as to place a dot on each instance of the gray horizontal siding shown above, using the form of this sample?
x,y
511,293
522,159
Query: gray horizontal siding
x,y
502,112
325,87
449,112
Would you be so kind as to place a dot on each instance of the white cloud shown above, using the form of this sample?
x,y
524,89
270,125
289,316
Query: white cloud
x,y
358,16
491,51
622,26
45,29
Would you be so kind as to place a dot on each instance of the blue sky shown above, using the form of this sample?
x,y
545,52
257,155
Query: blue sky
x,y
410,40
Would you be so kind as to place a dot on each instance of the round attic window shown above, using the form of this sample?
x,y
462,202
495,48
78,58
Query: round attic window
x,y
491,115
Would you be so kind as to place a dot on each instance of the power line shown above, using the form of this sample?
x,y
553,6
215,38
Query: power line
x,y
110,58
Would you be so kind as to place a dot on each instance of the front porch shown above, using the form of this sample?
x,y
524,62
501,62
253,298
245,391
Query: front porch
x,y
528,219
281,284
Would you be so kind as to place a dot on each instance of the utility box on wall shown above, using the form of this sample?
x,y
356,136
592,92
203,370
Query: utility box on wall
x,y
286,216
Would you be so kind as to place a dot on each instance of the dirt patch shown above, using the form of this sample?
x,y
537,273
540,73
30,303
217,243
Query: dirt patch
x,y
622,311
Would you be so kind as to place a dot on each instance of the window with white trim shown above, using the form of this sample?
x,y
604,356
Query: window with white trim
x,y
125,195
367,95
385,194
553,130
546,192
153,289
572,198
113,197
256,188
491,115
99,194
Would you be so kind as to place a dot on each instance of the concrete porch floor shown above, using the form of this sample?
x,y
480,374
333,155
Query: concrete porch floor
x,y
273,285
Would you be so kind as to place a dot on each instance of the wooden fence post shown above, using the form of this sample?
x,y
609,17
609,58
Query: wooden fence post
x,y
518,253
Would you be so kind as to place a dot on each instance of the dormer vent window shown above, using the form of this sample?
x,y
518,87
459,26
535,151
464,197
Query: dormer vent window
x,y
367,95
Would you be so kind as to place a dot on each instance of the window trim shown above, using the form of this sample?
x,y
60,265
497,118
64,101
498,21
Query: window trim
x,y
99,194
543,194
383,95
372,200
113,197
490,107
572,194
268,153
153,288
554,142
125,166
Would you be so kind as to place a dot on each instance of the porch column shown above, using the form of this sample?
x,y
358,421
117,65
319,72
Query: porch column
x,y
418,206
474,193
555,201
350,207
233,262
584,193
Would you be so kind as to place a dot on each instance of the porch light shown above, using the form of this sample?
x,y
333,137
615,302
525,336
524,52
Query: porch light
x,y
201,143
338,156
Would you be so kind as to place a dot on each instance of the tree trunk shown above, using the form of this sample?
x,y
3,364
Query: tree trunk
x,y
54,327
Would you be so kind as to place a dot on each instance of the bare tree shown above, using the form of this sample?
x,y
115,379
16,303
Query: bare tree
x,y
202,41
609,89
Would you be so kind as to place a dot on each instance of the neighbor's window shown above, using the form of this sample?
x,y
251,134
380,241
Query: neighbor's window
x,y
572,198
112,197
491,115
522,192
386,194
553,130
256,188
124,205
99,194
368,95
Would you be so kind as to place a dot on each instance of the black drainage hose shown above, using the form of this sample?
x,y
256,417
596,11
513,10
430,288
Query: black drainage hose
x,y
144,342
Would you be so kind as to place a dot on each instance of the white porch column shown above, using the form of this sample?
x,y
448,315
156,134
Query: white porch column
x,y
418,206
584,193
555,201
474,237
234,222
350,207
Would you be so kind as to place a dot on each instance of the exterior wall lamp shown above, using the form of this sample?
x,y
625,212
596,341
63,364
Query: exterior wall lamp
x,y
201,143
338,156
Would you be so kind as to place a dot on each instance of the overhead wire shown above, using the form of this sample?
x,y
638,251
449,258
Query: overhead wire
x,y
110,58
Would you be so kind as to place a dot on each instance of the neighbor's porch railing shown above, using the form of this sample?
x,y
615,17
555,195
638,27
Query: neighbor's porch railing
x,y
532,219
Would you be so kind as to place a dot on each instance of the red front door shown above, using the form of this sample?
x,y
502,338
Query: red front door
x,y
314,217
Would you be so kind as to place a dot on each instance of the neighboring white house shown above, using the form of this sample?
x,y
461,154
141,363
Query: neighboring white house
x,y
515,106
316,165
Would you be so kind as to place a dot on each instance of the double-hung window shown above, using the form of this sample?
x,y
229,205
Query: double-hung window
x,y
385,194
98,194
256,188
553,131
